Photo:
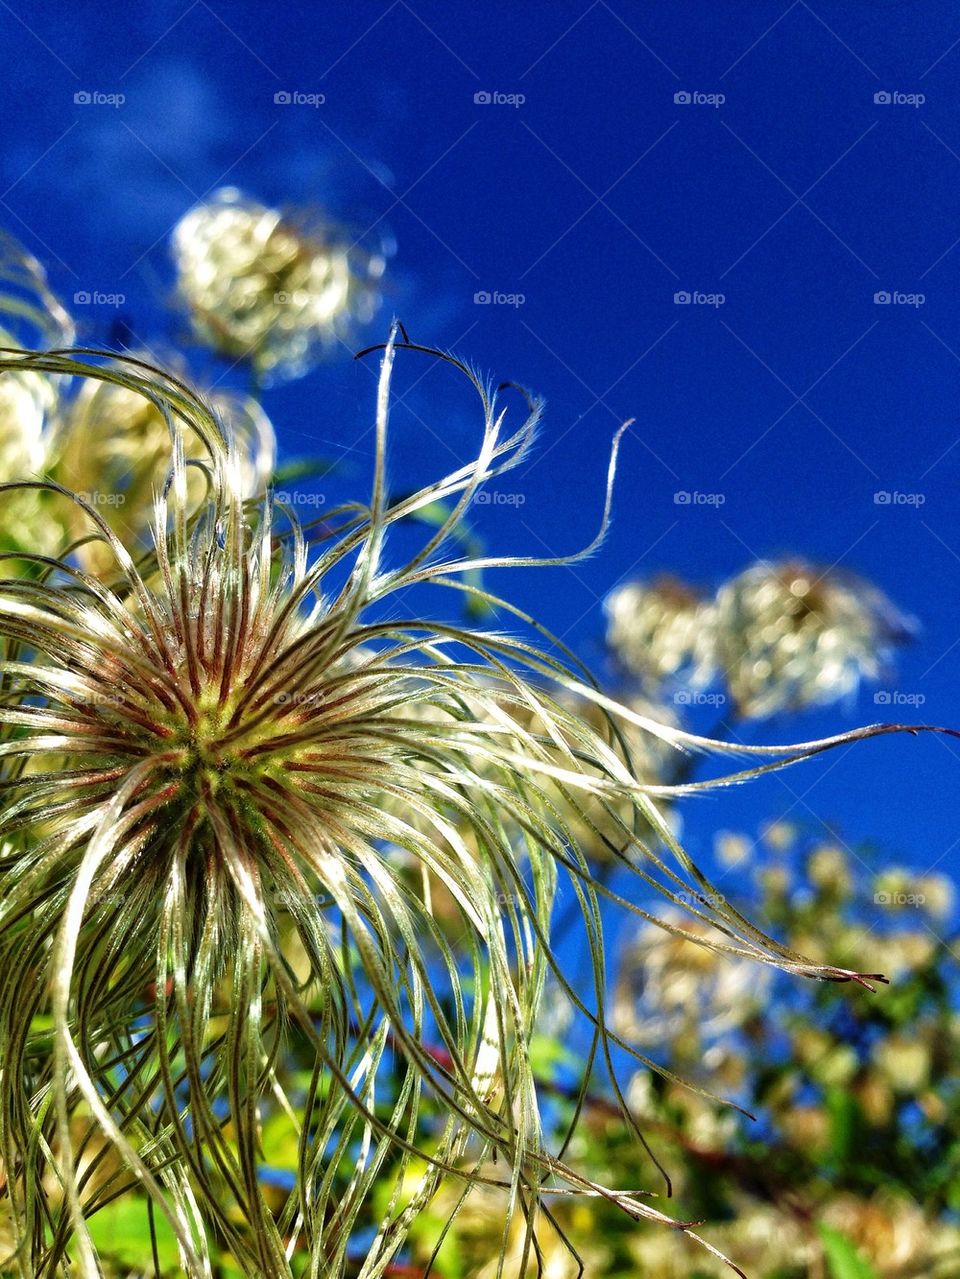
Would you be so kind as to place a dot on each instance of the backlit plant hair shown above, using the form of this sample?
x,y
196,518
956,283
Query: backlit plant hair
x,y
210,756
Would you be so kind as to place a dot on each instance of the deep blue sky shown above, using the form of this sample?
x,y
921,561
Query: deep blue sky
x,y
598,198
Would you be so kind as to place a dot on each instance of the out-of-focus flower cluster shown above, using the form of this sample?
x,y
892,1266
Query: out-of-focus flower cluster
x,y
780,636
676,994
270,289
852,1165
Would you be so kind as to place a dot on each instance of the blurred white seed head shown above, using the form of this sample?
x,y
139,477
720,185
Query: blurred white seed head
x,y
265,288
30,316
732,849
791,636
116,446
661,629
26,400
113,432
828,869
779,836
670,989
939,895
904,1061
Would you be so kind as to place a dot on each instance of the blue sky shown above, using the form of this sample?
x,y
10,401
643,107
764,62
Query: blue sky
x,y
777,180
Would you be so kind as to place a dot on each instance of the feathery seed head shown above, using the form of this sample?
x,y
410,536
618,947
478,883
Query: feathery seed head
x,y
791,636
259,286
208,751
661,630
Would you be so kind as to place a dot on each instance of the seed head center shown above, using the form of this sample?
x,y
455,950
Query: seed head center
x,y
208,752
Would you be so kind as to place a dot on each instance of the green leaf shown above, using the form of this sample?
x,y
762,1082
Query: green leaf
x,y
305,469
546,1052
121,1231
843,1258
844,1125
